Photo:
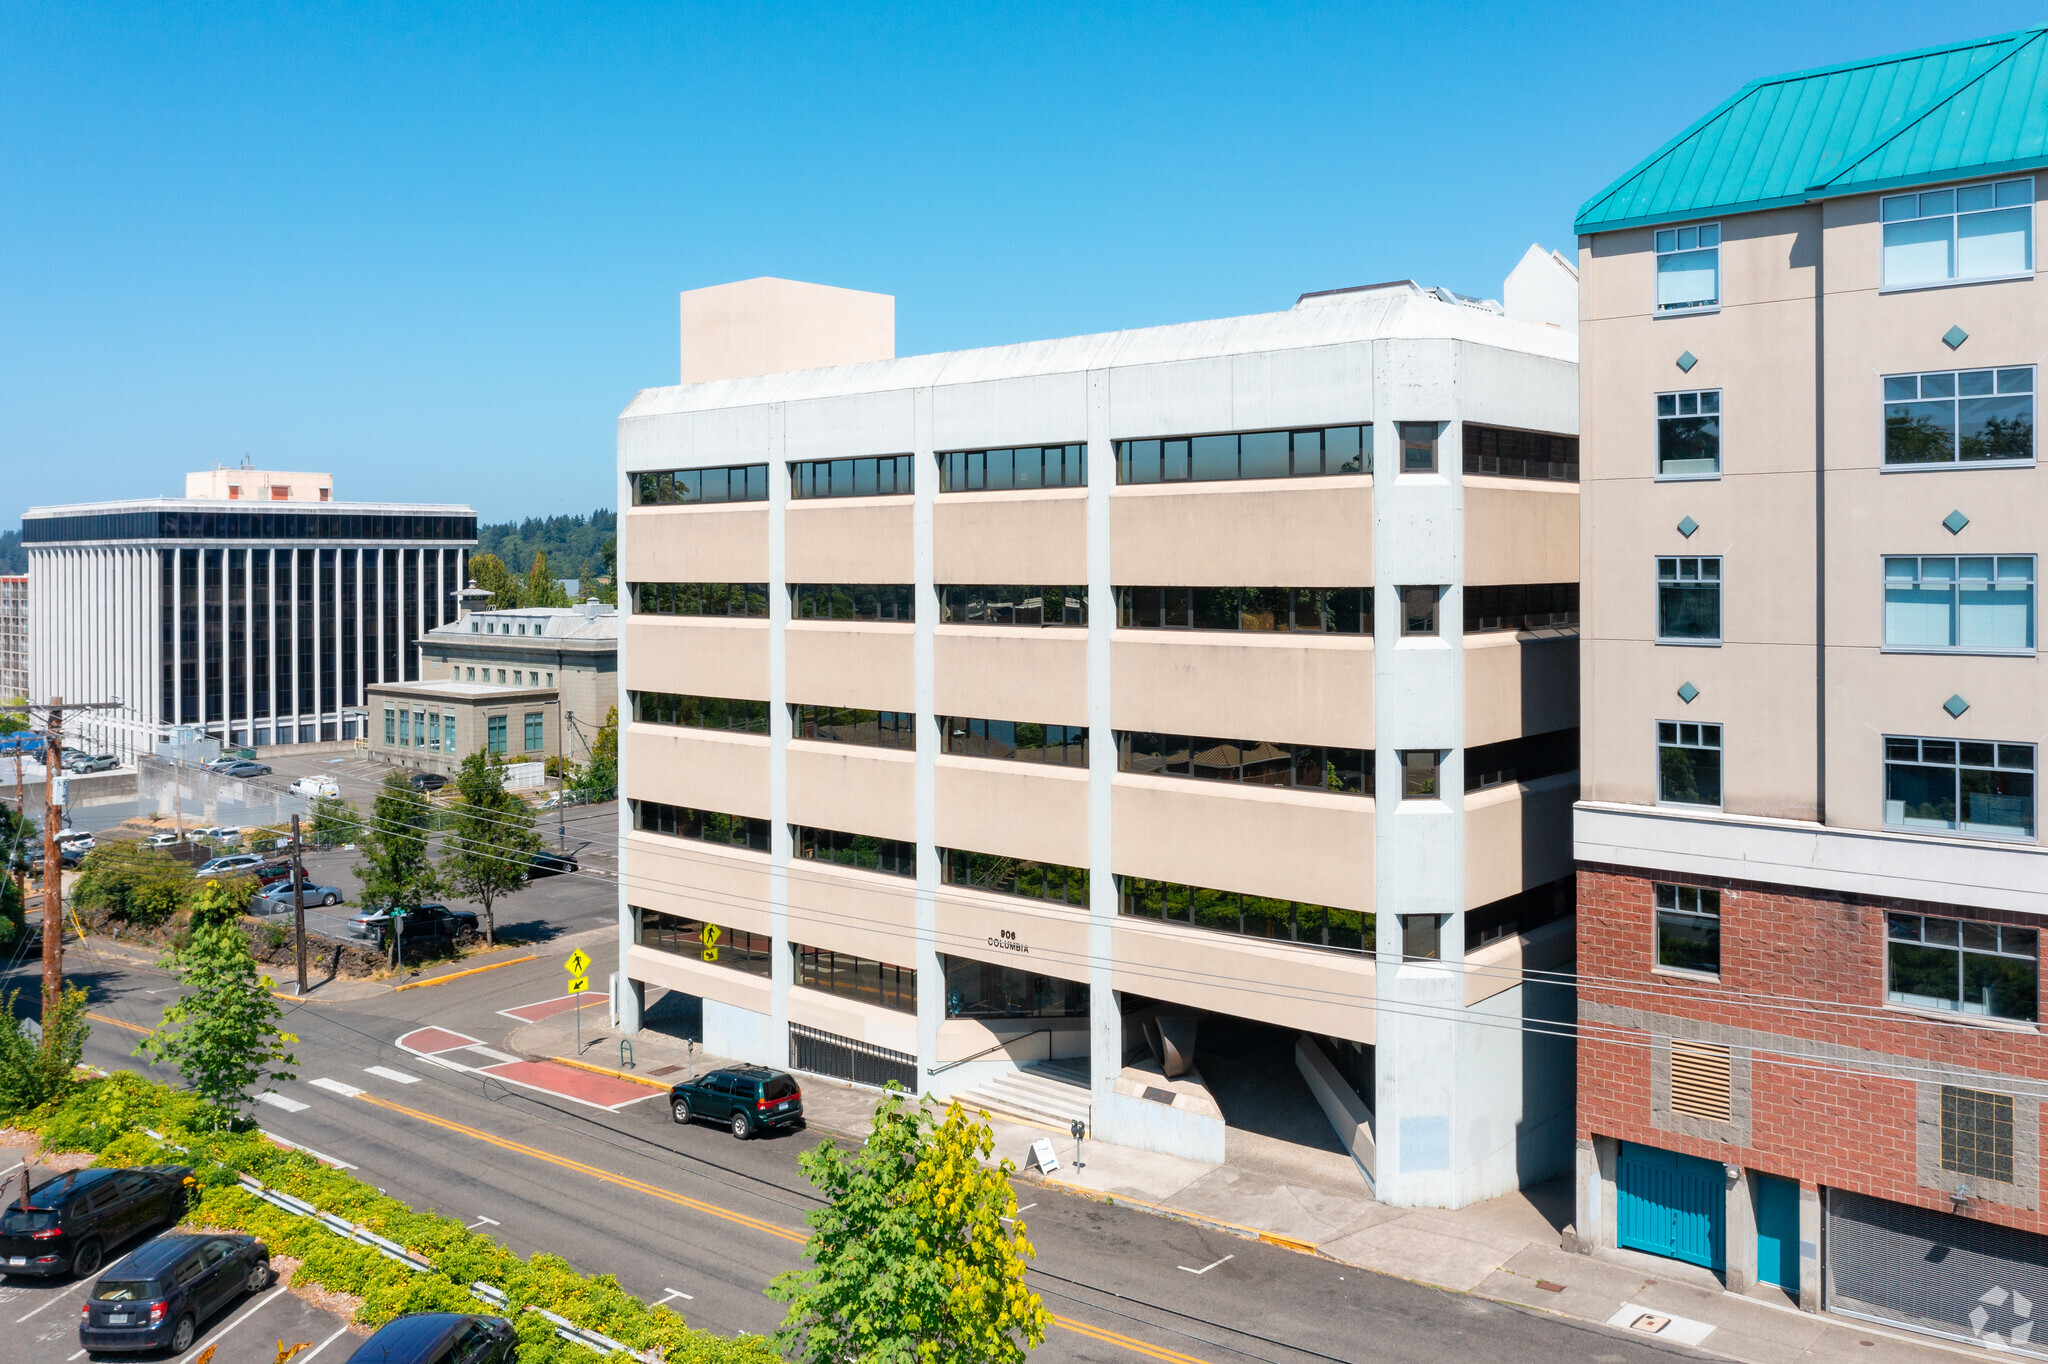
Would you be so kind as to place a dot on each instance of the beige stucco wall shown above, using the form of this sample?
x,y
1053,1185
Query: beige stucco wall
x,y
1518,684
1517,836
696,880
1299,845
768,325
1305,532
1011,537
1053,938
698,768
851,1018
1519,530
1317,991
1012,808
1011,672
717,544
697,656
1285,688
673,972
851,663
845,909
853,788
848,540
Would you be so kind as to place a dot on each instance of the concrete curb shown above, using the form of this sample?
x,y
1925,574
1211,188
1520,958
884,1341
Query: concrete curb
x,y
606,1070
457,975
1271,1238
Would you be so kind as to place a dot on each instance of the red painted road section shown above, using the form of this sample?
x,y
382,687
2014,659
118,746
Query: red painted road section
x,y
427,1041
548,1008
600,1091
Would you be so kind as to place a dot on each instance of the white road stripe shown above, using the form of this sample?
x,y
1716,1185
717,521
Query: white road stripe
x,y
336,1086
389,1074
280,1101
253,1309
307,1358
494,1055
317,1155
54,1299
443,1063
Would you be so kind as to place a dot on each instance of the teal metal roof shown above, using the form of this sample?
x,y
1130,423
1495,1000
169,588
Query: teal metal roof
x,y
1942,113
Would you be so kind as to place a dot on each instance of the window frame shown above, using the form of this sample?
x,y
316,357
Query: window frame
x,y
1955,216
1679,896
1698,583
1408,434
1659,251
2026,947
1699,729
1955,620
1957,827
804,477
1436,790
1132,455
1886,464
1678,414
1435,628
966,471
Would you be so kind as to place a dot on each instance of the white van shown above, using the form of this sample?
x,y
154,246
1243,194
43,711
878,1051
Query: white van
x,y
313,787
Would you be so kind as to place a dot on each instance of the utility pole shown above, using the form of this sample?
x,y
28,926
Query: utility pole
x,y
299,904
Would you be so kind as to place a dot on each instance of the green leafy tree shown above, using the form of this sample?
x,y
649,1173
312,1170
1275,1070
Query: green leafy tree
x,y
486,852
19,841
396,871
488,571
13,721
222,1035
541,588
335,822
32,1072
137,885
598,778
912,1260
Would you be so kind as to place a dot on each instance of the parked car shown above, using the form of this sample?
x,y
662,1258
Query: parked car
x,y
270,873
749,1098
76,838
428,781
439,1338
91,762
73,1220
314,787
159,1296
437,922
278,895
217,833
244,770
546,863
163,840
223,866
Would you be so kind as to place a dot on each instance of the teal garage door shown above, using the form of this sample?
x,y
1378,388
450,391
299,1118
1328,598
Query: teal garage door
x,y
1670,1205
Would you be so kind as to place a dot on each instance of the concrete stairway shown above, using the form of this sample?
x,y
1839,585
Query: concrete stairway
x,y
1052,1093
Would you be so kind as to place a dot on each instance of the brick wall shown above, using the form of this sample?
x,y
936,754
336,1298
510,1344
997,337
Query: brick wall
x,y
1822,959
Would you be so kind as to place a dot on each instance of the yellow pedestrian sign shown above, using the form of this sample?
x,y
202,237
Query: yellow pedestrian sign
x,y
578,963
578,984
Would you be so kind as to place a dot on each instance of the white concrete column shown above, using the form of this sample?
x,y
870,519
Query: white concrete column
x,y
782,966
931,978
1105,1021
1809,1247
177,637
632,994
1738,1246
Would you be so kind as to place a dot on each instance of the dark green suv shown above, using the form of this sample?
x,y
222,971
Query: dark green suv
x,y
750,1098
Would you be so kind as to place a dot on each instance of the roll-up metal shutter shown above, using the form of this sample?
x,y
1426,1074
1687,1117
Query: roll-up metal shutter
x,y
1937,1272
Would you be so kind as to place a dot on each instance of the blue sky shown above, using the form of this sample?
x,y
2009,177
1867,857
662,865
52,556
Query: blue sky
x,y
436,248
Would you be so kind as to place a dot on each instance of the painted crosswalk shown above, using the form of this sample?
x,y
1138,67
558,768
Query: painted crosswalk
x,y
386,1073
280,1101
336,1087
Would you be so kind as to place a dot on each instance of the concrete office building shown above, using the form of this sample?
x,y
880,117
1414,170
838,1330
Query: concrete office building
x,y
13,636
1026,722
256,625
526,684
1811,876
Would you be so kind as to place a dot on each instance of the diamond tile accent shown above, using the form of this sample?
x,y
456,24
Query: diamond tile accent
x,y
1954,337
1955,521
1955,706
1687,692
1687,527
1688,360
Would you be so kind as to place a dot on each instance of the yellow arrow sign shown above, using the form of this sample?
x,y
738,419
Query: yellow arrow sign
x,y
578,963
578,984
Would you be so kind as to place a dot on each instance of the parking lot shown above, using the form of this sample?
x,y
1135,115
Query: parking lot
x,y
39,1325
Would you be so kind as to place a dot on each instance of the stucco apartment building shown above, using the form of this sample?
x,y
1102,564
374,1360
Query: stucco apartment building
x,y
1811,878
13,635
1049,716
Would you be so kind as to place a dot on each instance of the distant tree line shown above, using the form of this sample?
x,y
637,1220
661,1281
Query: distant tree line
x,y
14,559
580,547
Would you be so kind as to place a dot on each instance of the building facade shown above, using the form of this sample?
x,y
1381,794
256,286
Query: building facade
x,y
1811,879
1076,705
525,684
13,636
257,627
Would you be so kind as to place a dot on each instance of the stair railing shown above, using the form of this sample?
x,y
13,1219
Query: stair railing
x,y
1000,1046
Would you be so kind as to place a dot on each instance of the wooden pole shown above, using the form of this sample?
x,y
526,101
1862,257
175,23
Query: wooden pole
x,y
53,872
299,903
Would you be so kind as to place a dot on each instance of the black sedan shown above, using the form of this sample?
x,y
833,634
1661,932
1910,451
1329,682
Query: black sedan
x,y
435,1337
72,1220
428,781
546,863
162,1294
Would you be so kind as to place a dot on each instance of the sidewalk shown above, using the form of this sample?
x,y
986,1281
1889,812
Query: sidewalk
x,y
1507,1249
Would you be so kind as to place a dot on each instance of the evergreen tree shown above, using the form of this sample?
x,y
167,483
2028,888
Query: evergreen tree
x,y
598,779
489,849
541,588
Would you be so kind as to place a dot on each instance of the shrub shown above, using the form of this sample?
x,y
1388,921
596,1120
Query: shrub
x,y
137,885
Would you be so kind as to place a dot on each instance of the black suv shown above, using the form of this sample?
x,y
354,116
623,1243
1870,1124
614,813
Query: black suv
x,y
163,1293
428,781
423,923
751,1098
73,1220
439,1338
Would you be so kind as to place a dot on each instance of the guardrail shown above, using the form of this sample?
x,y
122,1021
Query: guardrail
x,y
1004,1045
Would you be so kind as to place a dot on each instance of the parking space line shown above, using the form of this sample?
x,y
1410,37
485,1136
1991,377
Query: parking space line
x,y
253,1309
54,1299
307,1358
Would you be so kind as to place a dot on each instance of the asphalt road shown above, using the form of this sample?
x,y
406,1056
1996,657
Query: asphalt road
x,y
691,1216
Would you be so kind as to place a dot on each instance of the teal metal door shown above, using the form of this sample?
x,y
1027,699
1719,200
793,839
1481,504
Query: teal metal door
x,y
1671,1205
1777,1232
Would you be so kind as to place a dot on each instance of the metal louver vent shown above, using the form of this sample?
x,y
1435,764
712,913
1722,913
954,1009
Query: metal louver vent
x,y
1699,1080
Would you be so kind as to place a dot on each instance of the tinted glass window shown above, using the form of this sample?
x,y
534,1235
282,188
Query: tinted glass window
x,y
14,1220
124,1290
781,1087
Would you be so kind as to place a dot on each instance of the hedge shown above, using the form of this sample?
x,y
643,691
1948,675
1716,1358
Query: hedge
x,y
107,1117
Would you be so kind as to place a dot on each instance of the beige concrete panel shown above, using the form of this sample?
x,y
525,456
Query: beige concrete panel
x,y
1518,836
1498,966
769,325
720,544
1013,537
671,972
1297,845
1518,530
1766,257
1027,1039
1303,689
698,768
696,880
1307,532
844,909
1012,808
1292,987
851,663
1004,672
1762,696
1010,930
1520,683
853,788
697,656
836,1014
848,540
1856,264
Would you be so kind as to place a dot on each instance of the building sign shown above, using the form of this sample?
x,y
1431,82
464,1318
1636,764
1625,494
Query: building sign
x,y
1006,940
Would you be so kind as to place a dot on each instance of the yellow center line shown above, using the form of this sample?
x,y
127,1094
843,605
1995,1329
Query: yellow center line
x,y
102,1018
713,1210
